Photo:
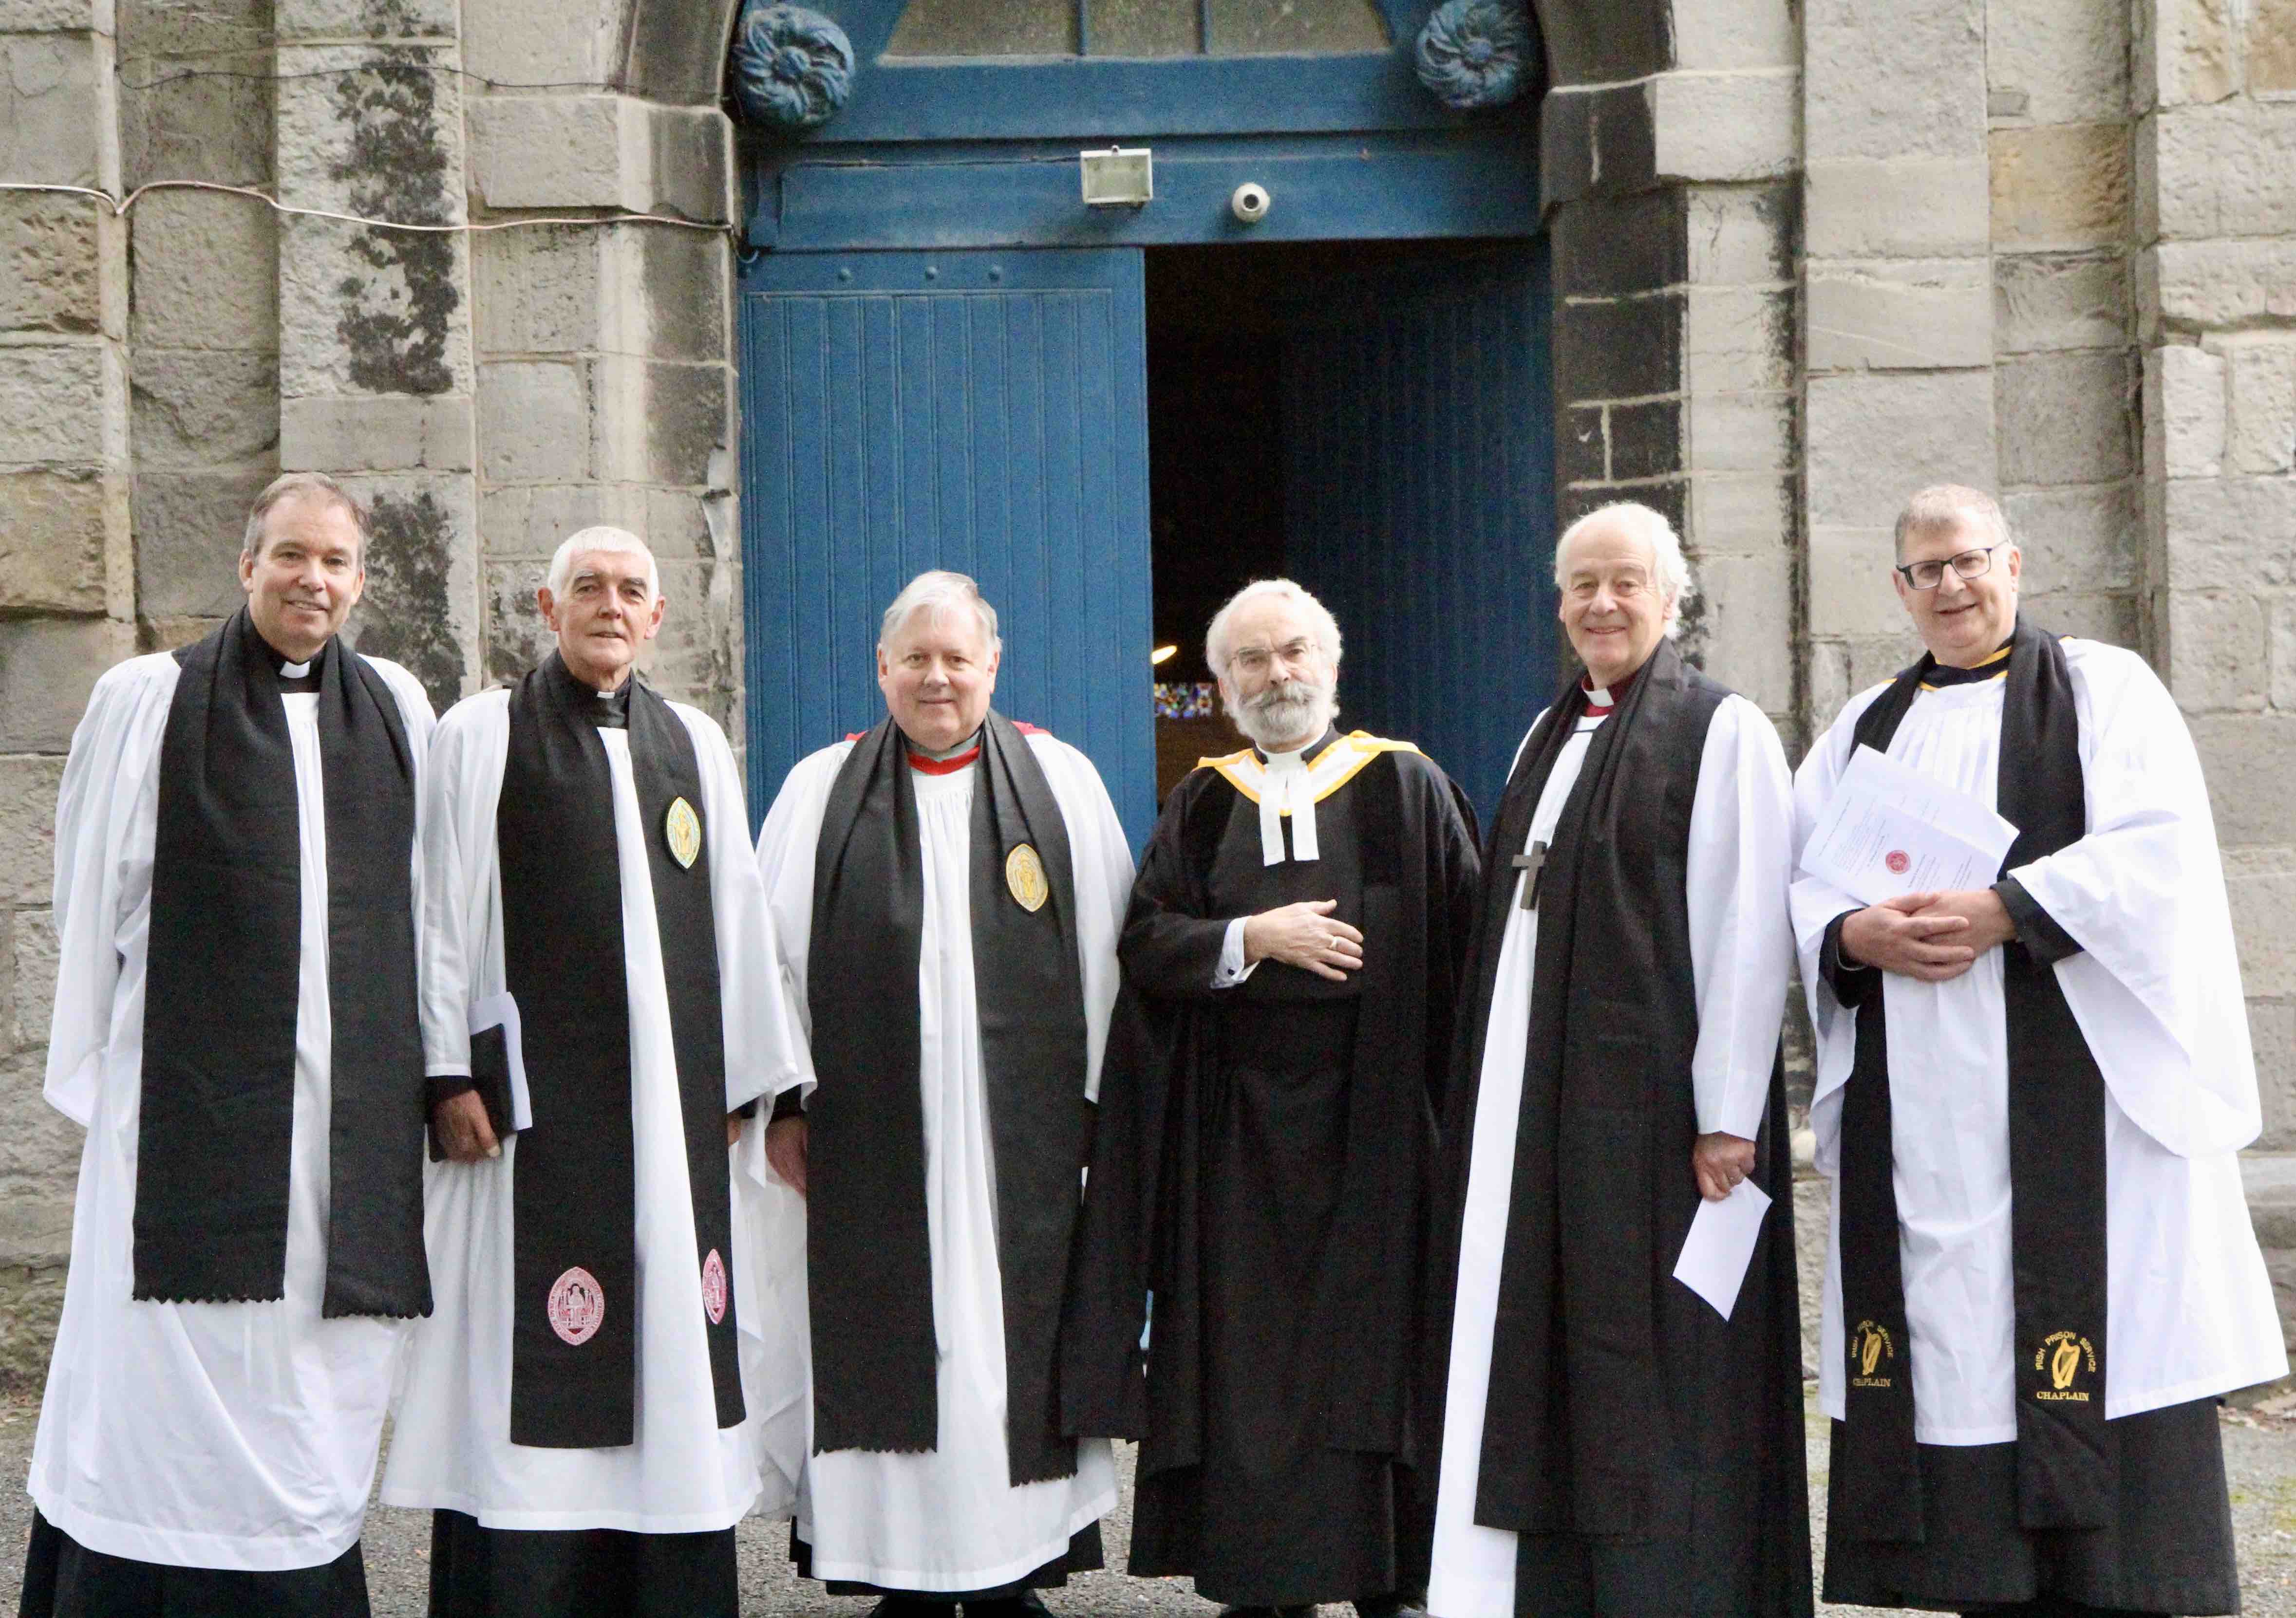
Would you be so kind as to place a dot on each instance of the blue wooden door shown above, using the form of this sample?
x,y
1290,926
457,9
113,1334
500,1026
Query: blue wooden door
x,y
1419,500
980,411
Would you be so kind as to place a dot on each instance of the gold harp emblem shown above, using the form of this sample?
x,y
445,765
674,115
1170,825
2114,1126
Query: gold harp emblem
x,y
1024,874
2064,1354
2063,1363
1869,1344
681,827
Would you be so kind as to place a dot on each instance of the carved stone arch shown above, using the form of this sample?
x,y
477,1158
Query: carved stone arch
x,y
1600,139
674,51
1605,41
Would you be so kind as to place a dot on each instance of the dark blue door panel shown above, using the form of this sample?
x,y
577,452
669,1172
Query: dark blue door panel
x,y
1419,499
984,412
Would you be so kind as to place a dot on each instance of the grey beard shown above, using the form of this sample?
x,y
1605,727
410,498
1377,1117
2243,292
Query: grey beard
x,y
1283,725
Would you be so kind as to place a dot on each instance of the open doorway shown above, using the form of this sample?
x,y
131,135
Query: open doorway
x,y
1370,419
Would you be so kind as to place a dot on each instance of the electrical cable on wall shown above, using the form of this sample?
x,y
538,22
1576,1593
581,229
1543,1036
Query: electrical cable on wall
x,y
121,204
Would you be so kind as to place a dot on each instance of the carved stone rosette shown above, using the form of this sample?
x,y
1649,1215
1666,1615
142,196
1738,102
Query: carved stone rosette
x,y
1470,53
793,67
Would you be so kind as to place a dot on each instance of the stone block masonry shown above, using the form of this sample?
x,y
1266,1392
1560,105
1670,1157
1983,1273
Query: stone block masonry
x,y
375,364
1674,225
2214,216
67,566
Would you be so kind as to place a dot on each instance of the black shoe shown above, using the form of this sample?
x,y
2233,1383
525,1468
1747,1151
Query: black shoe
x,y
1308,1611
1026,1605
909,1606
1392,1606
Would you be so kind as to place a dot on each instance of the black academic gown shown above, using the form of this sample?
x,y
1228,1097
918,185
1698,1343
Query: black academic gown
x,y
1648,1453
1290,1182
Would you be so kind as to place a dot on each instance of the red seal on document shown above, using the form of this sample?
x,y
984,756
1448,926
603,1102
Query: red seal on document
x,y
713,1287
1898,861
578,1306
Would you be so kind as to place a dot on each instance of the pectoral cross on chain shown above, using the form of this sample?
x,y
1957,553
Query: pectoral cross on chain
x,y
1530,864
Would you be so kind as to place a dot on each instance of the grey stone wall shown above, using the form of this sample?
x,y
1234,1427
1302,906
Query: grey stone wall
x,y
66,571
2059,101
1669,138
1968,313
2215,283
1899,383
196,99
605,378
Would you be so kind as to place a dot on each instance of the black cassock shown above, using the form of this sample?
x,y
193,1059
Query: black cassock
x,y
1285,1139
1647,1453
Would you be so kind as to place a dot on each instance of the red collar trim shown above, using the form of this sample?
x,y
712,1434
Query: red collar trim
x,y
945,767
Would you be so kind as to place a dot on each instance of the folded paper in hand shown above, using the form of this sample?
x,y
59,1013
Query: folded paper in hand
x,y
1890,830
1721,1244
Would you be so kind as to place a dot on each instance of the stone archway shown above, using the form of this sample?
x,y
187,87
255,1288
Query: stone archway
x,y
674,51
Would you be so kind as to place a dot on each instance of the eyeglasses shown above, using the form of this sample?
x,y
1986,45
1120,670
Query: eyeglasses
x,y
1969,564
1255,660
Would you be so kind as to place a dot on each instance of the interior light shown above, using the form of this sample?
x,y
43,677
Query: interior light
x,y
1161,653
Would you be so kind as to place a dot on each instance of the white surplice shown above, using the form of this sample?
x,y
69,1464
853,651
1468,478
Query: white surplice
x,y
1742,958
451,1446
222,1436
949,1519
2157,994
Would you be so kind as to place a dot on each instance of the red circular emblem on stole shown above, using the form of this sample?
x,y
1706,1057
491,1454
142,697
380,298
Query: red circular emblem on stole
x,y
713,1287
1899,862
578,1306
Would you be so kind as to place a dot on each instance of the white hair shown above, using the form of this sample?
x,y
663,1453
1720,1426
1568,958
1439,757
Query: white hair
x,y
939,591
1638,521
1218,633
588,542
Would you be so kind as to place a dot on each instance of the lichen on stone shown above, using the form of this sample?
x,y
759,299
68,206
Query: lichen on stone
x,y
394,323
405,616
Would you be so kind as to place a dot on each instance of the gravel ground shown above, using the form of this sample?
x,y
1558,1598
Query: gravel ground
x,y
2259,1455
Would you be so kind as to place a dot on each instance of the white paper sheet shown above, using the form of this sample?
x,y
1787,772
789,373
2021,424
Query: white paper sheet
x,y
1721,1244
1890,831
501,1011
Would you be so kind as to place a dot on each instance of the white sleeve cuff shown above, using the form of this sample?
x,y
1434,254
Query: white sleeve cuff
x,y
1736,1114
1232,971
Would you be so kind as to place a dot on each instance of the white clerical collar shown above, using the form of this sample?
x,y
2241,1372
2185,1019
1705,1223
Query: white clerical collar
x,y
294,671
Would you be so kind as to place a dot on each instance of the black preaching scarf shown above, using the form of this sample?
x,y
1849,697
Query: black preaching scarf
x,y
2067,1475
574,1328
216,1126
1570,1441
869,1253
